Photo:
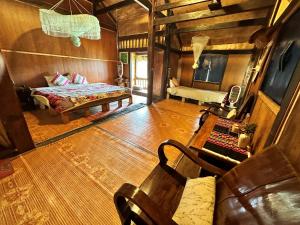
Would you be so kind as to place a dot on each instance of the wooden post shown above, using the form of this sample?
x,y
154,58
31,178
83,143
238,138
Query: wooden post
x,y
151,40
166,60
11,114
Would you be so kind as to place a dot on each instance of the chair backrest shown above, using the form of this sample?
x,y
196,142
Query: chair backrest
x,y
265,189
246,106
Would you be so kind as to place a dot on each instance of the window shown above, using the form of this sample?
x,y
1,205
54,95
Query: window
x,y
211,68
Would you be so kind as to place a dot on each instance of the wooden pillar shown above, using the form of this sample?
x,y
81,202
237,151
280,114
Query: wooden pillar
x,y
166,60
11,113
151,40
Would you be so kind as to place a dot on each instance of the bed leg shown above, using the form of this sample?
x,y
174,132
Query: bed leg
x,y
119,103
105,107
168,96
183,99
87,112
199,102
130,100
64,117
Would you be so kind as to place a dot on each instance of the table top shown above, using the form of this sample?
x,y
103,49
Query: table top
x,y
207,132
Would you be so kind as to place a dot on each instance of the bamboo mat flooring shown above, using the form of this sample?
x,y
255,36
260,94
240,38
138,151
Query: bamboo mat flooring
x,y
72,181
149,126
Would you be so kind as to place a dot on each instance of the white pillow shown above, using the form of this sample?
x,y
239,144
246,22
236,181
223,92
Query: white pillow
x,y
197,204
175,82
172,85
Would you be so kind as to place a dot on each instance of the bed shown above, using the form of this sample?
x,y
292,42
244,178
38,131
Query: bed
x,y
197,94
69,98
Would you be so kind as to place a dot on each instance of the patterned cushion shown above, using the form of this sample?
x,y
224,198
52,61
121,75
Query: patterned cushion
x,y
197,203
60,80
78,79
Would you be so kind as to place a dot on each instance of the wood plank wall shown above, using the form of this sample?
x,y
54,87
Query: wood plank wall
x,y
234,73
263,115
29,52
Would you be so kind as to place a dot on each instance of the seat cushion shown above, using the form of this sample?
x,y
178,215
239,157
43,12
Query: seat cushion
x,y
197,203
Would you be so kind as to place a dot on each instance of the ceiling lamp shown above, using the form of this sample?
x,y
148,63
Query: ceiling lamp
x,y
72,26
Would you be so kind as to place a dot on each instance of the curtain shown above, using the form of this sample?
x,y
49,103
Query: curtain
x,y
198,44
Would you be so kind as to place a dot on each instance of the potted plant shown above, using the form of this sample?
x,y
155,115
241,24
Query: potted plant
x,y
246,135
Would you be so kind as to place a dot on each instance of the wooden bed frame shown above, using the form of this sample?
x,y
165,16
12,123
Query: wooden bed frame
x,y
44,103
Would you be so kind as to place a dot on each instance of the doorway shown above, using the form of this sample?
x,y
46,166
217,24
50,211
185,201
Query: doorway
x,y
139,72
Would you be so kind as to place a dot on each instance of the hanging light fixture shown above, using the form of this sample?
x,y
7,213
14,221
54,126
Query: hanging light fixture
x,y
72,26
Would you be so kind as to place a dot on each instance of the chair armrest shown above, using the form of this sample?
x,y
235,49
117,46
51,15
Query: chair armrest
x,y
130,193
187,152
214,113
218,107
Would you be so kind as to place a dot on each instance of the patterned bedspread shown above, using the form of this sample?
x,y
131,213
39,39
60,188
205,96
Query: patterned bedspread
x,y
62,98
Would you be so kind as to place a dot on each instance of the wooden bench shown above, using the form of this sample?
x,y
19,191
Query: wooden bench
x,y
264,189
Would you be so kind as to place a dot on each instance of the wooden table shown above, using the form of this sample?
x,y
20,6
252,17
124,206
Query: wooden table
x,y
209,155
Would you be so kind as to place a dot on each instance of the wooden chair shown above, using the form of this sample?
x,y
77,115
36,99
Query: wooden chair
x,y
218,110
264,190
223,111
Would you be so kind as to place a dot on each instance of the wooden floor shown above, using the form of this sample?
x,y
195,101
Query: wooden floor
x,y
72,181
149,126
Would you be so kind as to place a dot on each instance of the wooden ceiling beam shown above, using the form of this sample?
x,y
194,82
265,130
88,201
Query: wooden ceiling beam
x,y
228,10
146,4
178,4
242,23
113,7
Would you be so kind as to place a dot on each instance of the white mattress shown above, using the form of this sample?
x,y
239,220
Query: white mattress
x,y
198,94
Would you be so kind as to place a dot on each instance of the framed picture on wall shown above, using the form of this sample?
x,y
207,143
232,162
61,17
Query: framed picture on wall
x,y
123,56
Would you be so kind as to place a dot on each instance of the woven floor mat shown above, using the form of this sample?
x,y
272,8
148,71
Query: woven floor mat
x,y
72,181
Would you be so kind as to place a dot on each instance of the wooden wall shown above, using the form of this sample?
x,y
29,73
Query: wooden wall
x,y
263,115
236,68
29,52
234,73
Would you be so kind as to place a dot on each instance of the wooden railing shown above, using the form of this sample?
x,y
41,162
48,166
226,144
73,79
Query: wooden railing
x,y
139,41
140,82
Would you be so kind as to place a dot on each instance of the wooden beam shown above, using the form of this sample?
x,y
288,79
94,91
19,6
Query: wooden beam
x,y
114,7
177,4
223,52
228,10
109,14
146,4
166,60
151,41
243,23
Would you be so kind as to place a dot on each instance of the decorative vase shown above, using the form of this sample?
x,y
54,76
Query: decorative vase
x,y
244,140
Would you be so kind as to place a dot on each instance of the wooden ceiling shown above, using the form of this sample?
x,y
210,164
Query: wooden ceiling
x,y
234,23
